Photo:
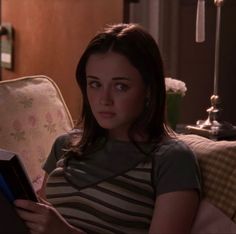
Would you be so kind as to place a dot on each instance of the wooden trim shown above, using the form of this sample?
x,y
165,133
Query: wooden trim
x,y
126,6
126,16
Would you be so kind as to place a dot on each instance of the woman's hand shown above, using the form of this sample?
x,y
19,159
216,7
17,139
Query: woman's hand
x,y
43,218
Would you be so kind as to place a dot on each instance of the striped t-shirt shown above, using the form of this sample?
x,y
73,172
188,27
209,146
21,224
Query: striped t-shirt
x,y
113,190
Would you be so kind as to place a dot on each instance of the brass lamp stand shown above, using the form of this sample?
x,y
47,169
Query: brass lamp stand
x,y
212,127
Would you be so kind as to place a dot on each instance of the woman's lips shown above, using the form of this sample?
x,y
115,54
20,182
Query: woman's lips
x,y
106,114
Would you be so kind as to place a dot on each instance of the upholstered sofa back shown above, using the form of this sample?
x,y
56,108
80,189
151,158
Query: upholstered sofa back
x,y
33,114
217,161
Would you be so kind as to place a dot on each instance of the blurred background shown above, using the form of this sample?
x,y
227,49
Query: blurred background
x,y
48,37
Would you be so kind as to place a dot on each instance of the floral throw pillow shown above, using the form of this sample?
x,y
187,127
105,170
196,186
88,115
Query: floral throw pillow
x,y
33,114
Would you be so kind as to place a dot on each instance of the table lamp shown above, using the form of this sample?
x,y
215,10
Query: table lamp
x,y
212,127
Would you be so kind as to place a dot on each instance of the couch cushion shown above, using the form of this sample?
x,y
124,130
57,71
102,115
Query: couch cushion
x,y
217,160
33,114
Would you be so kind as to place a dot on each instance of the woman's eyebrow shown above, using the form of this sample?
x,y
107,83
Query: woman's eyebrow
x,y
113,78
121,78
92,77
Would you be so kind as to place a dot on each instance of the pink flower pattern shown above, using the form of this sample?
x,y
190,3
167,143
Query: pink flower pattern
x,y
18,134
41,153
49,117
50,126
17,125
32,120
26,153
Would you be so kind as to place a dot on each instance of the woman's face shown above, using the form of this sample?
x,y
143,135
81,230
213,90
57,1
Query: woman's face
x,y
116,92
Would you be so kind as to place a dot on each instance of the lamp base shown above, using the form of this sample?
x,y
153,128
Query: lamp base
x,y
211,127
224,131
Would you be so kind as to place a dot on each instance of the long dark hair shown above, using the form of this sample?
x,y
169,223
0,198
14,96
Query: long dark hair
x,y
132,41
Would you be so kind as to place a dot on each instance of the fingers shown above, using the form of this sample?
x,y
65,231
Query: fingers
x,y
35,215
40,217
27,216
35,228
28,205
41,200
31,221
32,211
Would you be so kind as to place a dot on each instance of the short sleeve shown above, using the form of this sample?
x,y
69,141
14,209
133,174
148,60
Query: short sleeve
x,y
175,168
57,151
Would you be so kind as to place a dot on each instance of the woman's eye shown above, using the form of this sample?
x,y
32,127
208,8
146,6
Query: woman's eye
x,y
94,84
122,87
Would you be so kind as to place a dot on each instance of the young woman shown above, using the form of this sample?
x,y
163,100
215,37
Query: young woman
x,y
123,172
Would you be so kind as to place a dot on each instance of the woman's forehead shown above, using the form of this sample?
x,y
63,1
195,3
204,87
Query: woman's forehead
x,y
111,64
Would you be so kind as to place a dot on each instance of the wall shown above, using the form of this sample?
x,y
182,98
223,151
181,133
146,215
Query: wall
x,y
50,36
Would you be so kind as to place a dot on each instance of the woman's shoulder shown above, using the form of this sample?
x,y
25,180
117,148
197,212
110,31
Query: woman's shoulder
x,y
174,148
175,167
65,138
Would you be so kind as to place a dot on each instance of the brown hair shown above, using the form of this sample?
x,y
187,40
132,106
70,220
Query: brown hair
x,y
138,46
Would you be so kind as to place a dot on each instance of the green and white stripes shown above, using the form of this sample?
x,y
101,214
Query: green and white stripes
x,y
119,204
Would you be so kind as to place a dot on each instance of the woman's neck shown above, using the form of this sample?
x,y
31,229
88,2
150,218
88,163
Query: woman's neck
x,y
125,137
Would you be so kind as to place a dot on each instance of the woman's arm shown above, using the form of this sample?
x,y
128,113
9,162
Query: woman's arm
x,y
174,212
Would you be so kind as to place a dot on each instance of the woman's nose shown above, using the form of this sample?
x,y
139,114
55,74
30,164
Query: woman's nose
x,y
106,97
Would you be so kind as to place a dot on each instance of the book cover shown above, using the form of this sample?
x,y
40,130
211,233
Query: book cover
x,y
6,189
10,222
14,181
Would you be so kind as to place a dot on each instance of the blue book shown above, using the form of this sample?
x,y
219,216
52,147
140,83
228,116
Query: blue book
x,y
5,189
14,181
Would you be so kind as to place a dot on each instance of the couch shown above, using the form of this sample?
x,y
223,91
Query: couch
x,y
217,161
33,114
